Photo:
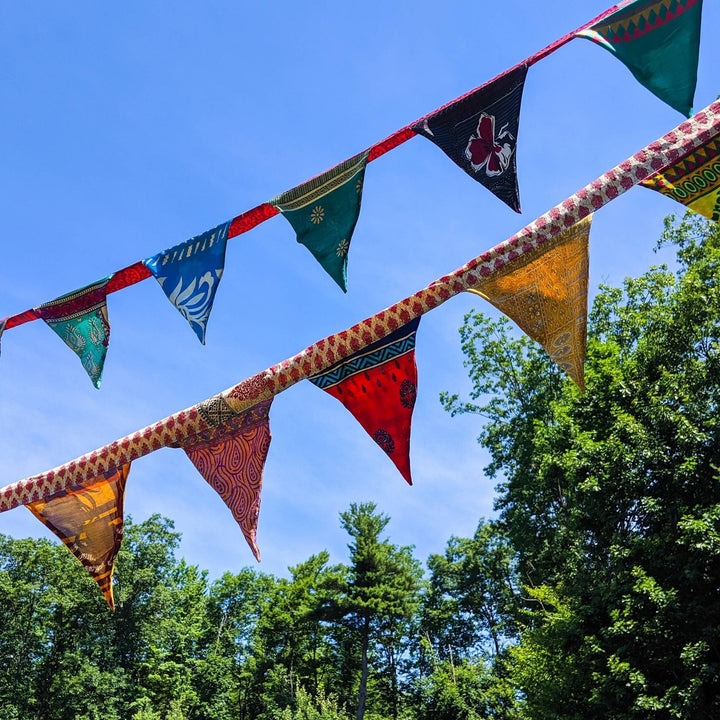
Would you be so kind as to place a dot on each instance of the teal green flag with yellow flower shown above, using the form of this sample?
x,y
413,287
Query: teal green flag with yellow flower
x,y
659,42
324,211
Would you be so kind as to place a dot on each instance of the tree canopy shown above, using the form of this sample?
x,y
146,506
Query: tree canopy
x,y
611,499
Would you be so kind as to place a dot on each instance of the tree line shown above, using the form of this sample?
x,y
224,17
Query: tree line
x,y
594,593
361,639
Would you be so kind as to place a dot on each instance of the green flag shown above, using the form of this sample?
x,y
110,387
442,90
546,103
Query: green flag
x,y
659,42
323,211
80,318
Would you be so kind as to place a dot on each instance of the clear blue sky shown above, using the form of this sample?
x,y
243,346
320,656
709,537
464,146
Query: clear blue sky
x,y
128,128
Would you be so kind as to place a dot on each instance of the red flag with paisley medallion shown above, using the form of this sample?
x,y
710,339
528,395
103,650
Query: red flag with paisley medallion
x,y
231,457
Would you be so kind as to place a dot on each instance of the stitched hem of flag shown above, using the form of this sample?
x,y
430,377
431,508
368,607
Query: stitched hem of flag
x,y
396,344
255,415
75,304
632,23
318,187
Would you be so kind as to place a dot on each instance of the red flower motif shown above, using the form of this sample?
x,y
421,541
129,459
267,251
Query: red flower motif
x,y
485,150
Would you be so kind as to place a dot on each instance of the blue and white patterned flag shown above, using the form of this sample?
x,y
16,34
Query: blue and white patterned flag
x,y
190,273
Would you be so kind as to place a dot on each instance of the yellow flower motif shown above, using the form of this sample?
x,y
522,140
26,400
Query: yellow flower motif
x,y
342,248
359,185
317,215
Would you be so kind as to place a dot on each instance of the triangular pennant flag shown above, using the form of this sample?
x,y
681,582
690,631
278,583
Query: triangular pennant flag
x,y
231,456
694,180
80,318
189,274
324,211
89,519
659,42
545,293
378,385
479,133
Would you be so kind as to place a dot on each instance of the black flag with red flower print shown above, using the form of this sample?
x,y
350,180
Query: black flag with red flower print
x,y
479,133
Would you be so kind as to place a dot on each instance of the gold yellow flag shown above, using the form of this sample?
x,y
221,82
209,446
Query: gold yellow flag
x,y
545,292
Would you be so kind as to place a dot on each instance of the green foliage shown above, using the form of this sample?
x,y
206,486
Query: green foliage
x,y
471,606
66,655
309,708
611,499
465,691
378,599
247,646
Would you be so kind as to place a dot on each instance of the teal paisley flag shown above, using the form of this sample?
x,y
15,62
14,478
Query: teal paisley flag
x,y
324,211
81,320
189,274
659,42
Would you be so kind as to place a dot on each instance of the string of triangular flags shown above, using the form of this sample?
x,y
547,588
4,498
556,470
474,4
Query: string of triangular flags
x,y
658,40
538,277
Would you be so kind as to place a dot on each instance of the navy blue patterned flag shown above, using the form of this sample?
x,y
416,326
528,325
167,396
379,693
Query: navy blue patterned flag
x,y
189,275
479,133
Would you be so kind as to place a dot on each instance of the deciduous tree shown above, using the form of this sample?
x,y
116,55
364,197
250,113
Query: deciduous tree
x,y
612,498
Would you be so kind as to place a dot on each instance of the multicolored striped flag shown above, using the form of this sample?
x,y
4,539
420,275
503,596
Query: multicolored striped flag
x,y
694,180
89,519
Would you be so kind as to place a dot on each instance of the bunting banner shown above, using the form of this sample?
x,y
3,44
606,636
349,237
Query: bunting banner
x,y
545,293
81,320
231,456
694,180
659,42
485,149
324,212
479,133
88,518
378,385
321,356
189,274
